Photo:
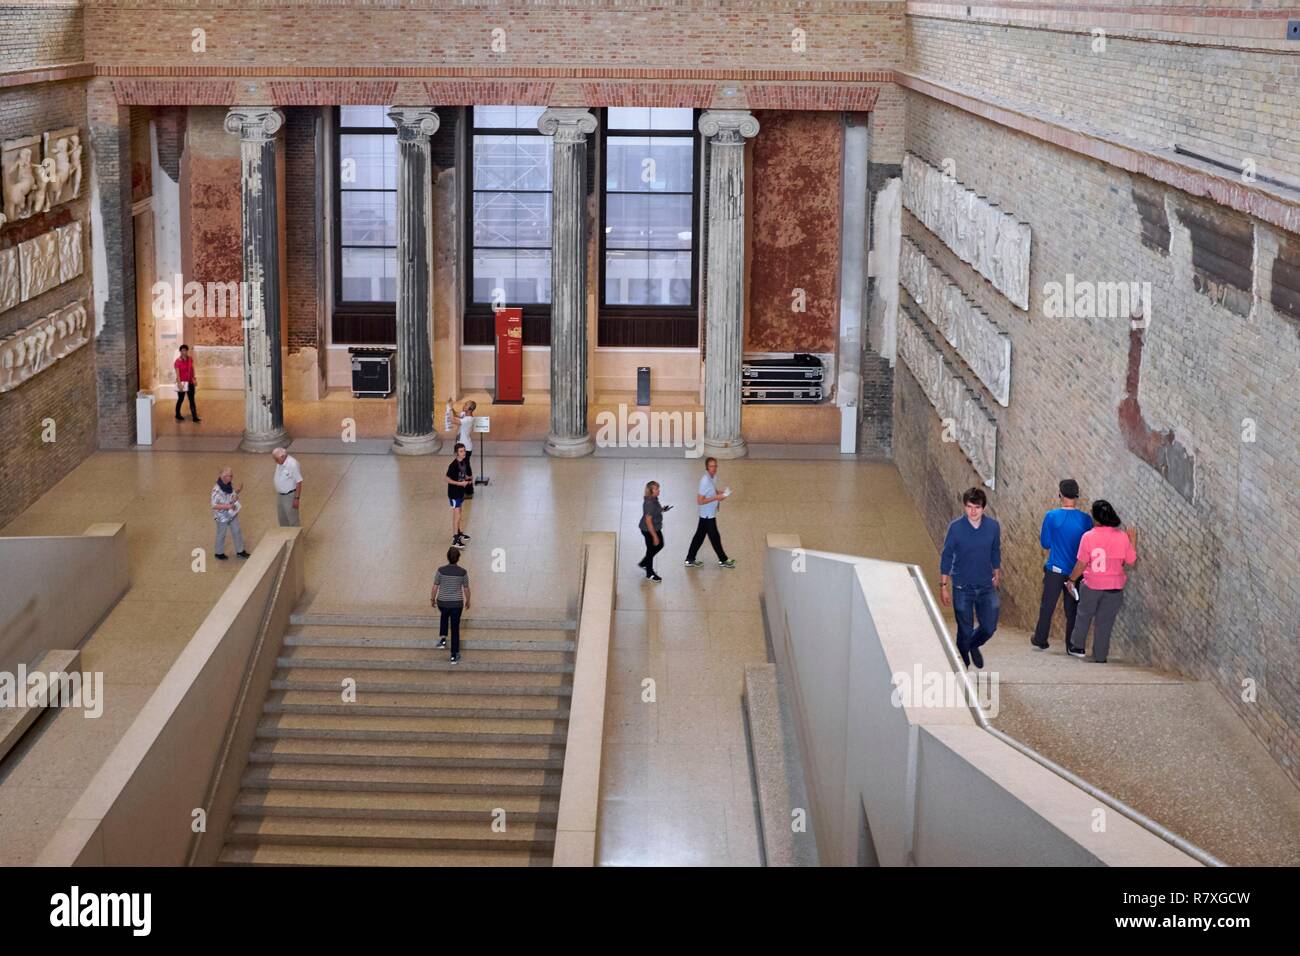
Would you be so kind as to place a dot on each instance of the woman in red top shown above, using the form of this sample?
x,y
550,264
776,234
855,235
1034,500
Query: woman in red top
x,y
1103,553
185,383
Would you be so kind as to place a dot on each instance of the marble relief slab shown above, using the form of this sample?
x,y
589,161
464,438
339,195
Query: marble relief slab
x,y
71,261
62,162
989,240
972,426
33,349
11,287
963,324
21,182
39,260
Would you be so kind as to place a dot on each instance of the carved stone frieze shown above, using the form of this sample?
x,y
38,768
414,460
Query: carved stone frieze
x,y
965,326
991,241
35,348
963,414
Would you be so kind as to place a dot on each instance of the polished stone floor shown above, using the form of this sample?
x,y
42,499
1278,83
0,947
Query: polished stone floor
x,y
675,777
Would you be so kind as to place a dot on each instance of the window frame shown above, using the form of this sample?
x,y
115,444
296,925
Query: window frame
x,y
357,323
649,326
478,318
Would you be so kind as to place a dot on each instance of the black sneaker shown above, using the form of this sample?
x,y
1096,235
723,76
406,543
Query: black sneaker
x,y
653,577
221,557
465,535
977,657
180,418
196,420
442,642
243,554
455,659
1039,647
1074,651
641,563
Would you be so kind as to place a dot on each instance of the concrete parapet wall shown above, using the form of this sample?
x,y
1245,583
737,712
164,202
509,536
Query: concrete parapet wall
x,y
139,808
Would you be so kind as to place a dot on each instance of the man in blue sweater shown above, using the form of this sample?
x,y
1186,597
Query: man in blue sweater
x,y
970,573
1063,527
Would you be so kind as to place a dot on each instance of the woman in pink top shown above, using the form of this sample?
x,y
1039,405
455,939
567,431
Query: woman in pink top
x,y
1103,553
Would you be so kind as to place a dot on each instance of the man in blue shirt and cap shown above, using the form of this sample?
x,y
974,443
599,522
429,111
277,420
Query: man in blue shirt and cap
x,y
1063,527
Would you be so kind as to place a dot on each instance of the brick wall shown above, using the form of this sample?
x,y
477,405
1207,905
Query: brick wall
x,y
299,145
1215,595
1228,104
44,34
64,392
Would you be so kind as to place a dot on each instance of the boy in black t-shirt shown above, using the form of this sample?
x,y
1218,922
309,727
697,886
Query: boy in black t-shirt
x,y
459,477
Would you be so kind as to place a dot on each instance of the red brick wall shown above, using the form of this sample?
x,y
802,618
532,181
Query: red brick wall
x,y
795,239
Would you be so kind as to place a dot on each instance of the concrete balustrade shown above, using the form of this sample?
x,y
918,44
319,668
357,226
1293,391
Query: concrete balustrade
x,y
575,837
55,590
913,781
139,808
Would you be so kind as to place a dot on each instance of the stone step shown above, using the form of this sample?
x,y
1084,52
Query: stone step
x,y
522,620
482,662
498,638
277,855
17,720
375,657
414,834
417,729
406,753
420,682
381,779
462,807
498,706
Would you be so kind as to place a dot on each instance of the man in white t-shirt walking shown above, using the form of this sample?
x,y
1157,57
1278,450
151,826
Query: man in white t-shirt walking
x,y
288,488
707,498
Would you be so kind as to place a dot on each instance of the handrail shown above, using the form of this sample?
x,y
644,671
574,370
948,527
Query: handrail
x,y
1119,806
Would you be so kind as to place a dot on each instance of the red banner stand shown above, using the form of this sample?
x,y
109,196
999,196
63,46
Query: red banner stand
x,y
509,357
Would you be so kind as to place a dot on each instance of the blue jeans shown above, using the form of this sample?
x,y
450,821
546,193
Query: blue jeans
x,y
970,602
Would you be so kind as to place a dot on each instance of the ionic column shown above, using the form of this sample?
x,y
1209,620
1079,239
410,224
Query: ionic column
x,y
415,431
724,318
256,127
568,436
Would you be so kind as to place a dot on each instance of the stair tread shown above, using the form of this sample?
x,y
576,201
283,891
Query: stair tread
x,y
418,637
418,656
353,832
245,855
468,674
407,725
495,779
309,802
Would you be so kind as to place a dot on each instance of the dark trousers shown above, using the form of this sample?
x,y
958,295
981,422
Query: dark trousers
x,y
707,526
1103,606
181,396
970,603
651,549
450,613
1053,588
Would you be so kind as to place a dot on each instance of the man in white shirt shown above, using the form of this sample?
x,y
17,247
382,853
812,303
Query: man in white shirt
x,y
288,488
708,498
465,421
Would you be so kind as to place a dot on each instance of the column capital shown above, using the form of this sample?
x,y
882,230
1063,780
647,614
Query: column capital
x,y
254,123
728,127
414,121
568,124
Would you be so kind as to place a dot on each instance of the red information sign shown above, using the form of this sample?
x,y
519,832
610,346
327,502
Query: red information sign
x,y
510,356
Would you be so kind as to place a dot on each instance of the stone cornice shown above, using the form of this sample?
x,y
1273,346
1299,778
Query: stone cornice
x,y
47,74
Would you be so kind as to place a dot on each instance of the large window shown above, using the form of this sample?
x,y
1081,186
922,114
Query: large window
x,y
365,203
509,222
648,228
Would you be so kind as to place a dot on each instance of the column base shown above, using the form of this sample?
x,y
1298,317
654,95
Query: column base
x,y
569,447
736,448
267,441
416,444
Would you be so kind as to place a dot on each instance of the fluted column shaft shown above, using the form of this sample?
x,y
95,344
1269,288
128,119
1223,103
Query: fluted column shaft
x,y
415,430
724,319
256,127
568,127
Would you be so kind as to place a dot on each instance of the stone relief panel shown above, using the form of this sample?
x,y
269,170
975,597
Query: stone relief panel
x,y
11,287
35,348
70,253
63,164
991,241
39,260
24,190
975,430
965,326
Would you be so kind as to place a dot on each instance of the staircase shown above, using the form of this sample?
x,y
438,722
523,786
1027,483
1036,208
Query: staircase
x,y
434,764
